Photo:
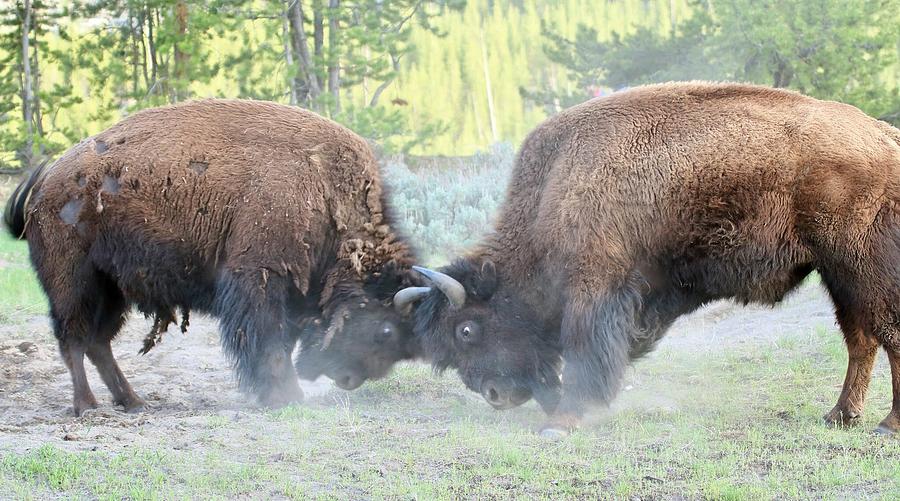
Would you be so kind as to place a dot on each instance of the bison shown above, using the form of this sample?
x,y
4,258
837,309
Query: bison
x,y
269,217
628,211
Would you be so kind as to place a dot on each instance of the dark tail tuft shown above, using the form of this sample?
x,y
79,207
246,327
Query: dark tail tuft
x,y
14,216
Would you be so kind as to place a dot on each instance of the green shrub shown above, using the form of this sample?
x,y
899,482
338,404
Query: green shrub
x,y
445,210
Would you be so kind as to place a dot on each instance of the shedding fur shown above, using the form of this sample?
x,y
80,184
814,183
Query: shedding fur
x,y
261,214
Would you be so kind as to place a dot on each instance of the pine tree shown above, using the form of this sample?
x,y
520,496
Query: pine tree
x,y
828,49
24,28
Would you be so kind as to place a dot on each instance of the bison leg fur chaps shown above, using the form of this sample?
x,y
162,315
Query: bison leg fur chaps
x,y
597,335
253,324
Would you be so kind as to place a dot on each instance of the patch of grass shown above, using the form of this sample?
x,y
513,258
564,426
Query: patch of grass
x,y
736,425
21,295
723,440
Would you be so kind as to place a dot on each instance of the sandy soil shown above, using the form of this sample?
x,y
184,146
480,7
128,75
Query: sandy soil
x,y
186,376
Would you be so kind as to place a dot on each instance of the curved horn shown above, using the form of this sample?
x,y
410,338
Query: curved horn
x,y
404,298
451,288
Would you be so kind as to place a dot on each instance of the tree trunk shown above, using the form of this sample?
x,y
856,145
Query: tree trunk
x,y
27,89
783,73
487,85
318,28
135,56
672,20
36,100
306,69
395,61
151,41
289,55
182,58
334,65
160,68
140,34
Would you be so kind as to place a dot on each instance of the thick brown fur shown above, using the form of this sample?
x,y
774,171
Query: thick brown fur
x,y
627,211
268,216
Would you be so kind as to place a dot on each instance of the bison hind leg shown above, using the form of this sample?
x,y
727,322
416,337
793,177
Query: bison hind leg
x,y
252,322
88,311
73,356
891,424
862,349
107,321
864,284
101,355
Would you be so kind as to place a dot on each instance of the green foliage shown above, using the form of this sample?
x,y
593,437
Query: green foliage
x,y
47,137
500,41
829,49
148,52
412,74
337,58
388,128
433,77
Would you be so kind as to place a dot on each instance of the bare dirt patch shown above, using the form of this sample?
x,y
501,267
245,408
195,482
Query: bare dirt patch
x,y
185,375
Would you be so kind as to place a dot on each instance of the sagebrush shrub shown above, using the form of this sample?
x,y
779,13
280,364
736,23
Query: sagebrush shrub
x,y
444,210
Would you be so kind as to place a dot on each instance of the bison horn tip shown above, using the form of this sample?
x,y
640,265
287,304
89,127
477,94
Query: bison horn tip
x,y
451,288
404,299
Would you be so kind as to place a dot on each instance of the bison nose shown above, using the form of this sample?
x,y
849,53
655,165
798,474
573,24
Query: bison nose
x,y
500,396
348,381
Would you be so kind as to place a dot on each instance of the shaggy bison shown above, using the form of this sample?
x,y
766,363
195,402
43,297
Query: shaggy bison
x,y
627,211
269,217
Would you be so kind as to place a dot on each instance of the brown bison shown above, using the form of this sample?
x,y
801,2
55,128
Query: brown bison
x,y
269,217
627,211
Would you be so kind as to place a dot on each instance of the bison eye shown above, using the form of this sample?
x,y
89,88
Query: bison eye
x,y
468,332
385,333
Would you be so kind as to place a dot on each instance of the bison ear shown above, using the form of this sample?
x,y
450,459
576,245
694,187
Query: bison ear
x,y
388,280
486,280
411,278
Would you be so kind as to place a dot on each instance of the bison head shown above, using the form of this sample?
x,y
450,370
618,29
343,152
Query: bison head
x,y
361,336
470,321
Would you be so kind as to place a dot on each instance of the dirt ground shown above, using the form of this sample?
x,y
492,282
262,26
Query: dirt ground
x,y
186,375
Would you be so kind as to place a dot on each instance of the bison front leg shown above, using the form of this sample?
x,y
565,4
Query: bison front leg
x,y
862,350
597,334
253,324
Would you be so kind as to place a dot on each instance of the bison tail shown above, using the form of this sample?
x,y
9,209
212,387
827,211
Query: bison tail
x,y
14,217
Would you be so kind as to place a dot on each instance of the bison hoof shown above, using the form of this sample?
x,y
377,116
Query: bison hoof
x,y
839,418
890,425
884,430
279,399
553,433
81,406
132,406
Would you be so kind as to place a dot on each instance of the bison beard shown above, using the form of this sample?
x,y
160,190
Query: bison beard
x,y
269,217
628,211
